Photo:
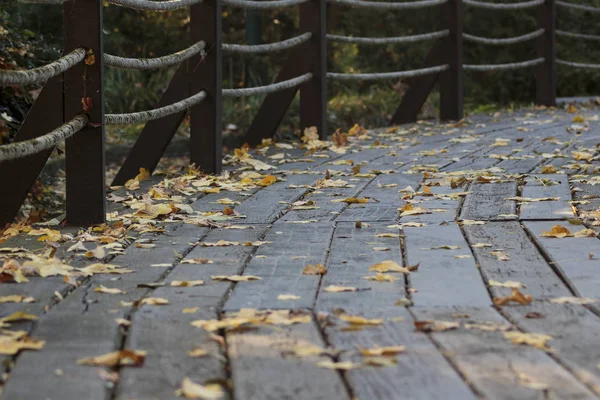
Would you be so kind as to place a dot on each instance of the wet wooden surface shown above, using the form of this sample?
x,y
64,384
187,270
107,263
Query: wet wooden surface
x,y
471,209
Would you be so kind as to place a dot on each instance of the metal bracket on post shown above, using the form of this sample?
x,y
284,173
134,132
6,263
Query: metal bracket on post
x,y
313,94
84,92
205,74
451,80
546,47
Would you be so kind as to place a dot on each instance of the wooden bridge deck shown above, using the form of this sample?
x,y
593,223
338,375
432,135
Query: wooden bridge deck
x,y
337,335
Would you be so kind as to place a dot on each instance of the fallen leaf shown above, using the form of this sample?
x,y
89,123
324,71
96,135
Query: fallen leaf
x,y
153,301
507,284
189,310
444,247
557,231
267,181
479,245
16,298
336,289
350,200
342,365
191,390
187,283
235,278
196,261
573,300
500,256
471,222
317,269
126,357
515,296
12,342
435,326
537,340
198,352
383,351
585,233
389,266
379,277
358,320
288,297
104,289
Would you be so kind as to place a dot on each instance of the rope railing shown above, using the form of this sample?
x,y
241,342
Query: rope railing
x,y
274,87
389,40
387,75
578,6
577,35
263,5
29,147
153,63
148,5
269,47
145,116
504,6
577,65
42,74
503,41
389,6
507,66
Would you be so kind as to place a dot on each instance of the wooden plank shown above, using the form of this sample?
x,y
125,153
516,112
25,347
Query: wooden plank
x,y
421,371
547,210
167,335
156,135
271,202
206,74
418,90
574,331
496,368
571,257
20,174
350,257
260,370
86,190
487,201
313,94
443,279
526,264
279,264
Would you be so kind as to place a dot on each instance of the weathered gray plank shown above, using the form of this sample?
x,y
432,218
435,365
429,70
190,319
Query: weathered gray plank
x,y
421,371
443,279
571,256
487,201
351,256
526,264
544,210
260,369
280,265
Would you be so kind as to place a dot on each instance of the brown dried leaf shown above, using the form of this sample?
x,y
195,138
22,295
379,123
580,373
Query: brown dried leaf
x,y
317,269
435,326
134,358
515,296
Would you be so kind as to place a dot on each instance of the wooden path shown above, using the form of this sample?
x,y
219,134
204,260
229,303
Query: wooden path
x,y
434,274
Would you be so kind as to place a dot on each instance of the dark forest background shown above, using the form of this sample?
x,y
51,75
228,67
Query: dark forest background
x,y
31,35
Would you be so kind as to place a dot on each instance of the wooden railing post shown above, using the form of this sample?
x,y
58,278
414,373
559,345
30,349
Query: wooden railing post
x,y
313,94
546,47
451,80
205,74
83,92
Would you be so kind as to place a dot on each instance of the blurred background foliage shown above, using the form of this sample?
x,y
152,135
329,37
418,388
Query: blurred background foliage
x,y
31,35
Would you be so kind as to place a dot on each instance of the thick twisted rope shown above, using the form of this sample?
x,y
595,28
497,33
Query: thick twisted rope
x,y
263,5
389,6
42,74
153,63
578,65
511,40
494,67
577,6
504,6
145,116
269,47
25,148
389,40
388,75
148,5
577,35
275,87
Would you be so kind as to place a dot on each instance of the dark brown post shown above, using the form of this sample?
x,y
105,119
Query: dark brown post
x,y
86,191
313,94
205,74
546,47
451,80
